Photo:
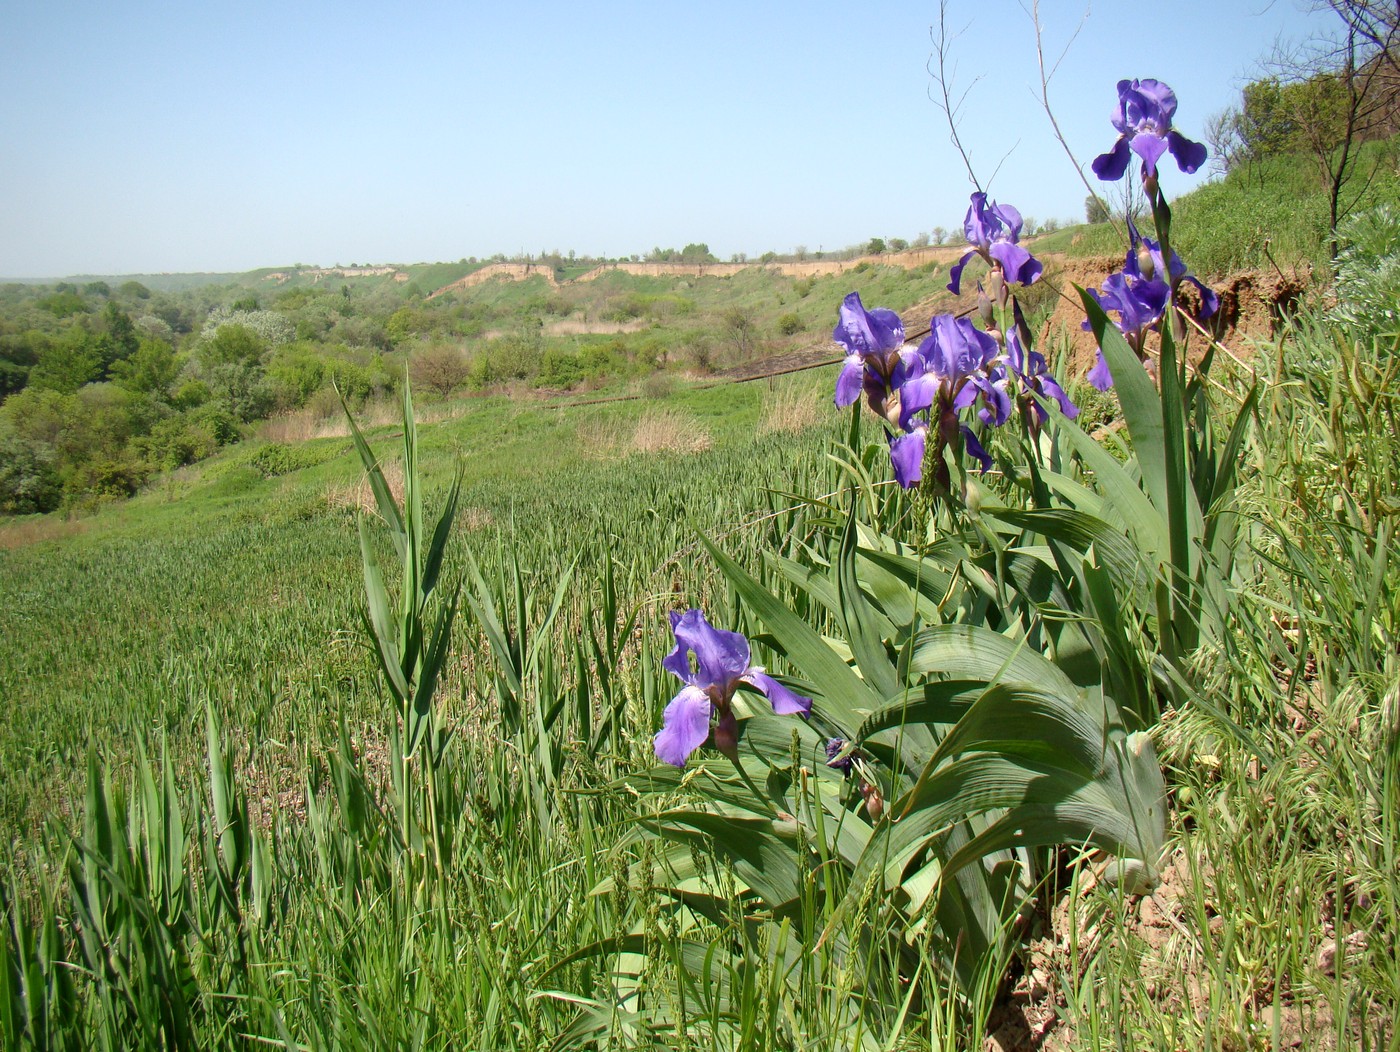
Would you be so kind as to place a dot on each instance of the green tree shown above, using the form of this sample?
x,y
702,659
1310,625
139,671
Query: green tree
x,y
232,344
73,360
875,247
29,482
697,252
152,369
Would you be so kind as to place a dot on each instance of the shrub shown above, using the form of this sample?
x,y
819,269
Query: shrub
x,y
789,324
1368,274
278,459
559,368
118,475
28,481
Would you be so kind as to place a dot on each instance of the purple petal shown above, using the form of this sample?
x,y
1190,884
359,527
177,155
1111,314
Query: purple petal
x,y
910,366
684,726
955,348
907,456
1119,117
915,396
864,332
1050,386
1017,264
1189,155
1099,375
1011,217
1210,302
720,657
955,275
1110,166
997,408
848,383
975,226
1149,103
1149,146
785,702
975,449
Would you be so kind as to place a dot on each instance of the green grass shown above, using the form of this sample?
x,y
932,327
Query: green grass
x,y
1276,207
305,918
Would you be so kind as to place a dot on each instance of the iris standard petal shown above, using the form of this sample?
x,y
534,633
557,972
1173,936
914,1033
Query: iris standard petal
x,y
785,702
1156,101
720,657
1189,155
1011,216
848,383
1110,166
1119,118
684,726
975,226
864,332
907,456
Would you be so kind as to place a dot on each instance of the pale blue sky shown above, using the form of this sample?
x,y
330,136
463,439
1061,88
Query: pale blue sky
x,y
214,136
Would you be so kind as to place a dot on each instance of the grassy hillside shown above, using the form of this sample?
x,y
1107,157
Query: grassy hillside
x,y
1275,207
1099,747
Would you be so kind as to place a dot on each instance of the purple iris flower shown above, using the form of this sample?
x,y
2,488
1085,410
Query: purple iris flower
x,y
959,372
721,667
993,230
879,364
875,359
1144,122
1140,303
1033,376
1210,302
1141,299
838,756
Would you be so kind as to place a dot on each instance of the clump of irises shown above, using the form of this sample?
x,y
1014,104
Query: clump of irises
x,y
962,378
1145,292
939,399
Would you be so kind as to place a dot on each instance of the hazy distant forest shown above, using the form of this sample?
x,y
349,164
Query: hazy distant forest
x,y
980,638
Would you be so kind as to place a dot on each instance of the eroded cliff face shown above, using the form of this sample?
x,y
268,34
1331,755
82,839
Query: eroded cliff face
x,y
1253,304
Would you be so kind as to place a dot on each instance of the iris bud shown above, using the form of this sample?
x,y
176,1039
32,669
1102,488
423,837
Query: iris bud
x,y
1144,260
984,307
996,284
874,802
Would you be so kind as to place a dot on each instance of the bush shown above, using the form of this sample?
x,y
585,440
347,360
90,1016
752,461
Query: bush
x,y
186,439
559,368
278,459
789,324
192,394
119,475
1368,274
28,481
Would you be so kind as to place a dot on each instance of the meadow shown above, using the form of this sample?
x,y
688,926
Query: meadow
x,y
350,738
